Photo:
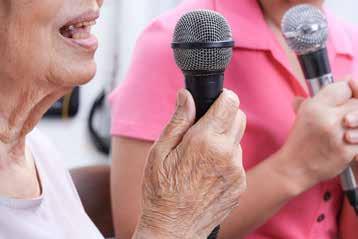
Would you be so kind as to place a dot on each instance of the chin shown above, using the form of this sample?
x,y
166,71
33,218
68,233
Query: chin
x,y
85,74
72,73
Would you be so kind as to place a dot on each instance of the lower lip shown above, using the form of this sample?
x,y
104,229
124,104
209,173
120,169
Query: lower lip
x,y
90,43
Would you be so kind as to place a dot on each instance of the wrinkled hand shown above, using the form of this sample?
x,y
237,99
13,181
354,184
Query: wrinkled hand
x,y
316,149
194,174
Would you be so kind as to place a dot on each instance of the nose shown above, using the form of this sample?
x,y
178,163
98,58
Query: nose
x,y
100,3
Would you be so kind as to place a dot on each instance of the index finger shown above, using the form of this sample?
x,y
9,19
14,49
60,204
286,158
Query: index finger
x,y
222,113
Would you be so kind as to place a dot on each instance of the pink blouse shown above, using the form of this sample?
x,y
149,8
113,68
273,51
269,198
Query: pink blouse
x,y
260,74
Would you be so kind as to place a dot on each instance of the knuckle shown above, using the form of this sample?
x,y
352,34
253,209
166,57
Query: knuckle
x,y
326,129
179,119
329,127
223,122
231,99
212,147
324,120
223,115
228,104
347,155
198,139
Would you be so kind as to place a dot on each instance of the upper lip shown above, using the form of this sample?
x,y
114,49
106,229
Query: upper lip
x,y
85,17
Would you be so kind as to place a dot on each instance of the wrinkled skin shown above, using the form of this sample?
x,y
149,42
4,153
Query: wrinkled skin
x,y
194,176
38,66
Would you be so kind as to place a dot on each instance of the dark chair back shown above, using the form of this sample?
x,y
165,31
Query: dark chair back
x,y
93,186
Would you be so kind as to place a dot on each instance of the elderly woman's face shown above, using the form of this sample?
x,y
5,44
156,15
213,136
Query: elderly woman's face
x,y
48,40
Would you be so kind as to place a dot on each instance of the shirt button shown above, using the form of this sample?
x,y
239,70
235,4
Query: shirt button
x,y
327,196
321,218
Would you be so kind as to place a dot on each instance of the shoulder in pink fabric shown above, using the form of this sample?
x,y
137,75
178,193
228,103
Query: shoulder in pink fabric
x,y
260,74
144,102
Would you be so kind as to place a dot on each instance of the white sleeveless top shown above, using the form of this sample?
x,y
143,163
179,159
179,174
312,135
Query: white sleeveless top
x,y
58,213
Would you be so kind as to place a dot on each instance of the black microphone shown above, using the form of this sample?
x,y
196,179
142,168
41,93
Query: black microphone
x,y
306,31
202,45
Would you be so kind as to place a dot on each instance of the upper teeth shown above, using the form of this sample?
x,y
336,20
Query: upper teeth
x,y
81,24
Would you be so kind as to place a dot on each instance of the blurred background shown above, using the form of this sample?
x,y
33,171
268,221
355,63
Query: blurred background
x,y
120,24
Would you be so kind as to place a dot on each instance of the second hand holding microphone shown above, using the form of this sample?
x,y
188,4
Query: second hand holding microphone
x,y
306,31
202,46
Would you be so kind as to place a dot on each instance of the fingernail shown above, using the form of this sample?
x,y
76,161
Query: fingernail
x,y
350,120
352,137
181,98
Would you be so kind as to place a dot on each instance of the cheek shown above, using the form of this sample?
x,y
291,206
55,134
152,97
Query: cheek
x,y
22,53
36,52
41,11
31,46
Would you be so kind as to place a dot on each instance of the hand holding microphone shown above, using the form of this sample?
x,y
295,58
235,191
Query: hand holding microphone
x,y
202,46
315,150
194,175
306,31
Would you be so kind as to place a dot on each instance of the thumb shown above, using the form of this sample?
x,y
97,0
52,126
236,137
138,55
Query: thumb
x,y
180,123
335,94
297,102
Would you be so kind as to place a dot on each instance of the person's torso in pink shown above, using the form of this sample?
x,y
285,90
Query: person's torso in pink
x,y
260,74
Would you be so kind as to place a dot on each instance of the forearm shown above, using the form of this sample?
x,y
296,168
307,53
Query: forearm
x,y
270,186
145,234
161,232
148,234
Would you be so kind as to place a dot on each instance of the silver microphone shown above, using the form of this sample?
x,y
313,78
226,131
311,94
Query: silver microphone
x,y
305,29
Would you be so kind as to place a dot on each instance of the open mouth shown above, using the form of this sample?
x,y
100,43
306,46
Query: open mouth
x,y
78,31
81,30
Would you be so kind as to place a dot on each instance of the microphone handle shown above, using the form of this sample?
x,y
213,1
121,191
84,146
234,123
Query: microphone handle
x,y
318,73
205,88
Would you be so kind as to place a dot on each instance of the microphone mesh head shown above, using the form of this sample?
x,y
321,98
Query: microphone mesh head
x,y
202,26
305,28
